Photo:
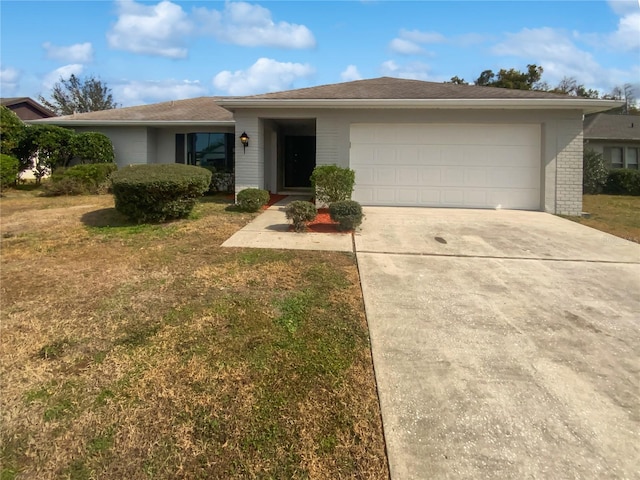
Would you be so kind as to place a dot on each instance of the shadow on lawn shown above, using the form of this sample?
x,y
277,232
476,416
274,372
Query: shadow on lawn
x,y
106,217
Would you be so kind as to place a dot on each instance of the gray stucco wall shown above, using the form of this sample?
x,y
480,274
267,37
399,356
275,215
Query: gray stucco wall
x,y
561,149
130,144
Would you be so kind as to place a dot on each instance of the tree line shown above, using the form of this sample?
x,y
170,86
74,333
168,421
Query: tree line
x,y
531,79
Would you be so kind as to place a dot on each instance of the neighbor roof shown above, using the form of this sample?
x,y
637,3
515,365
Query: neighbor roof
x,y
14,101
387,92
612,127
191,111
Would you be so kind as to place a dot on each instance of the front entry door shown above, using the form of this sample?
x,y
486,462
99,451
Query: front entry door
x,y
299,160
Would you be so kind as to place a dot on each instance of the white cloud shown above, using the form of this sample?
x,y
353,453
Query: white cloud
x,y
412,70
64,72
405,47
77,53
266,75
248,25
627,36
150,29
350,74
422,37
141,92
623,7
408,42
560,57
9,80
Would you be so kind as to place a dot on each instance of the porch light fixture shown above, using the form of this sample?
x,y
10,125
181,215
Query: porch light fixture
x,y
244,139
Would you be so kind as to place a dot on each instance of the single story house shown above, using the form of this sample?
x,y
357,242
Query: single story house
x,y
410,142
26,108
616,137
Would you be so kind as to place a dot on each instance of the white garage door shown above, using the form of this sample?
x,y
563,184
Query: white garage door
x,y
461,165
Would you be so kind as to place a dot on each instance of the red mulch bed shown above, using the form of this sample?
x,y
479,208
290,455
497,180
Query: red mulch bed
x,y
323,224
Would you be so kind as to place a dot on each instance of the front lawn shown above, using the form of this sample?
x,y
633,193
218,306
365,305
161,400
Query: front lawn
x,y
615,214
147,351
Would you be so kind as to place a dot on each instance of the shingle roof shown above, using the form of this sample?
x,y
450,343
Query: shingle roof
x,y
193,109
398,88
604,126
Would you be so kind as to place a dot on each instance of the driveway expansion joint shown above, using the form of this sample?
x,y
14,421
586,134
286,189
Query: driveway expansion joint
x,y
497,257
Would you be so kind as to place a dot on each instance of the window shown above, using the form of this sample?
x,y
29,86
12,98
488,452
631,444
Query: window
x,y
206,149
631,158
614,156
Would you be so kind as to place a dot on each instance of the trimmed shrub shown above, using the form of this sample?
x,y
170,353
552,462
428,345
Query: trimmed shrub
x,y
64,186
347,213
9,168
252,199
301,212
332,183
594,172
80,179
623,181
156,193
92,147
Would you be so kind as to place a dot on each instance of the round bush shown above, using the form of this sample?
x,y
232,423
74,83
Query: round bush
x,y
9,168
252,199
301,212
332,183
92,147
156,193
623,181
347,213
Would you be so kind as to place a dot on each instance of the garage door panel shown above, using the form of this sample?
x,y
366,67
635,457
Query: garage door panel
x,y
484,166
430,176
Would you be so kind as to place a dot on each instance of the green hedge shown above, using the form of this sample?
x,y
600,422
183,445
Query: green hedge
x,y
623,181
9,167
252,199
156,193
80,179
347,213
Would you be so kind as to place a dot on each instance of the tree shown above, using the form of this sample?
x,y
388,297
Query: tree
x,y
512,78
570,86
457,81
76,95
44,148
11,131
626,93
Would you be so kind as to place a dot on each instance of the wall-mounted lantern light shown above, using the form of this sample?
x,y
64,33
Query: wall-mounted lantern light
x,y
244,139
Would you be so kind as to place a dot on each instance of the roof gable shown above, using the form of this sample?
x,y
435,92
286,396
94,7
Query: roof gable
x,y
201,109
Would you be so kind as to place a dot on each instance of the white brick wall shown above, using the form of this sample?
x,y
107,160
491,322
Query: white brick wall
x,y
568,185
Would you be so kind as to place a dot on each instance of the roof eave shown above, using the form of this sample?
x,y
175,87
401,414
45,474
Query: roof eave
x,y
138,123
585,105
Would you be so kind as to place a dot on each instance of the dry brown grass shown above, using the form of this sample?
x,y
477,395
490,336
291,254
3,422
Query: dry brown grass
x,y
618,215
150,352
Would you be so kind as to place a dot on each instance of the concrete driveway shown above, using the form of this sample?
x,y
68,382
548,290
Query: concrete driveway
x,y
506,344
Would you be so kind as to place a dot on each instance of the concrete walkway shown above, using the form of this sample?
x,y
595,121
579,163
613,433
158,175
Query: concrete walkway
x,y
270,229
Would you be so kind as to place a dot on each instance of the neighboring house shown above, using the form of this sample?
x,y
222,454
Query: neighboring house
x,y
616,137
26,108
410,142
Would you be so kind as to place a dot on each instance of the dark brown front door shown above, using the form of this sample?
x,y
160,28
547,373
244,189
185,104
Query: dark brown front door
x,y
299,160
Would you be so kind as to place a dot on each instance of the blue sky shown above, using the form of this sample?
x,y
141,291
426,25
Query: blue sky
x,y
148,52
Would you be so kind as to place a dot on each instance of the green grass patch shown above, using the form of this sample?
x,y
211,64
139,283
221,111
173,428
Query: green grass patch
x,y
174,356
618,215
